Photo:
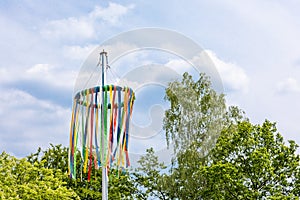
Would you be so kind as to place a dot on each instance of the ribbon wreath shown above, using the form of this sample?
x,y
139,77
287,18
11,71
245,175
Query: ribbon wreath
x,y
100,122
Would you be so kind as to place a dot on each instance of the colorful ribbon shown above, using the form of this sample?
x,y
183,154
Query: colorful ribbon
x,y
100,110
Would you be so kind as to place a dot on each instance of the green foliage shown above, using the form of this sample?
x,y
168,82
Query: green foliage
x,y
149,177
253,161
219,153
23,180
56,158
196,116
193,124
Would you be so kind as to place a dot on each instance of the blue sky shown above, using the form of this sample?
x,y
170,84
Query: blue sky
x,y
254,44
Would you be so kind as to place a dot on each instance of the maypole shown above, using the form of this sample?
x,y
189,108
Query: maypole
x,y
100,116
104,176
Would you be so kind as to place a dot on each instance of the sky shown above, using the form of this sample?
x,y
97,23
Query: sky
x,y
254,46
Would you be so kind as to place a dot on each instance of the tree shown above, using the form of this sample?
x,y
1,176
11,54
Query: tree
x,y
56,158
193,124
149,178
219,154
22,180
252,162
196,116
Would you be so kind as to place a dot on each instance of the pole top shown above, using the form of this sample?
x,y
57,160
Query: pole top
x,y
103,52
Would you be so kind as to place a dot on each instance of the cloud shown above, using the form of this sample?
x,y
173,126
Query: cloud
x,y
70,28
85,27
76,52
272,22
111,14
43,81
29,122
233,76
180,66
290,85
50,74
4,75
40,69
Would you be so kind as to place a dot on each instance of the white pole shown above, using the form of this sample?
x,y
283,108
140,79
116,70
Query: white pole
x,y
104,176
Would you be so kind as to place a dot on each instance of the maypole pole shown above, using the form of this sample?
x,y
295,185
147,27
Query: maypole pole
x,y
114,110
103,56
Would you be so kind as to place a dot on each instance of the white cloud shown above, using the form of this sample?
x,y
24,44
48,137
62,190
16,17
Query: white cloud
x,y
16,97
85,27
50,74
4,75
70,28
233,76
39,69
180,66
29,122
54,78
77,52
290,85
274,22
111,14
